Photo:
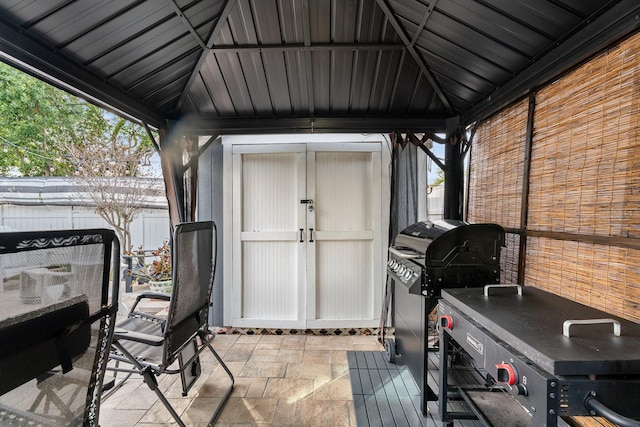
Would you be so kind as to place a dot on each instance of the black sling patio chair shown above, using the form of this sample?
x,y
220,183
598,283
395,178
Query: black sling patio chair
x,y
153,345
57,315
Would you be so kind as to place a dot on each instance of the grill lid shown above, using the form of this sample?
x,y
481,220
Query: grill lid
x,y
445,241
419,236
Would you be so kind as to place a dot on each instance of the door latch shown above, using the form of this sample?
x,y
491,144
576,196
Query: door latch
x,y
308,202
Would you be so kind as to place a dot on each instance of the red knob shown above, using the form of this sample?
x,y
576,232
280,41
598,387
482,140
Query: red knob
x,y
506,374
446,321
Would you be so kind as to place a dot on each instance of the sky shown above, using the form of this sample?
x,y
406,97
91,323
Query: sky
x,y
438,151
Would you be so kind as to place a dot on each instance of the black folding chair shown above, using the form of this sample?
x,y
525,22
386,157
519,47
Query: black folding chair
x,y
153,345
57,315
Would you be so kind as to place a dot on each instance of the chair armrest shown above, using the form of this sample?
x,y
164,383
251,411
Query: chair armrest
x,y
154,295
150,295
126,335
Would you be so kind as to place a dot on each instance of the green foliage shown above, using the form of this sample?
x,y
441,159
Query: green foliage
x,y
45,131
439,179
161,266
38,123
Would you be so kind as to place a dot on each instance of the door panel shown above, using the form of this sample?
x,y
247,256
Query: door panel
x,y
343,191
269,196
270,284
271,258
345,290
340,183
306,265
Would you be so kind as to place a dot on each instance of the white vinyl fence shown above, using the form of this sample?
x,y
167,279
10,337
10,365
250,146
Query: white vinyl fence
x,y
435,202
58,204
149,229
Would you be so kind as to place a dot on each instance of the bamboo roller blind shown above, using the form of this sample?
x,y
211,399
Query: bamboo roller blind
x,y
585,167
497,167
496,172
600,276
584,180
509,257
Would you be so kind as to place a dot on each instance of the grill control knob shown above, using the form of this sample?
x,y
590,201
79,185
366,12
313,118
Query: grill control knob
x,y
446,321
520,389
506,374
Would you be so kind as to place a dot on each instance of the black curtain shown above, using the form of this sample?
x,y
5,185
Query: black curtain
x,y
404,186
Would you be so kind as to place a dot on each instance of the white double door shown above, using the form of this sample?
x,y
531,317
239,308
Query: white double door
x,y
306,235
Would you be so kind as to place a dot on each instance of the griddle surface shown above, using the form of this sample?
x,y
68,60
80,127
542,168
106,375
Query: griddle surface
x,y
532,324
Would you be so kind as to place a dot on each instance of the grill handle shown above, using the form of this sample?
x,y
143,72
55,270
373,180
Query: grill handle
x,y
596,408
402,254
568,323
513,285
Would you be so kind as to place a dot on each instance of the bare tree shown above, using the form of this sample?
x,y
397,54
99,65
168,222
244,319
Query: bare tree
x,y
110,172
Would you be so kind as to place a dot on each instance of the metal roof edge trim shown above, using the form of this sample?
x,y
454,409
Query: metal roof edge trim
x,y
205,126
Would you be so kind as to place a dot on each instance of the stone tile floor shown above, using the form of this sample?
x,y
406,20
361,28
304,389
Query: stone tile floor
x,y
280,380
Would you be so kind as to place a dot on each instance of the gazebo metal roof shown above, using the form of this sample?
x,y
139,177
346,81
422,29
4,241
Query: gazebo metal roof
x,y
255,66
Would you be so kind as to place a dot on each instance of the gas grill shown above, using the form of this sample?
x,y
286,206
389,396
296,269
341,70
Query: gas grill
x,y
427,257
544,356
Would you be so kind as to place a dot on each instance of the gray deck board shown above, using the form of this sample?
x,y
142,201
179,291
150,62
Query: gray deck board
x,y
397,411
385,394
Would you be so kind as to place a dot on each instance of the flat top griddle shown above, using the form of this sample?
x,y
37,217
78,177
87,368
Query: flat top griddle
x,y
533,324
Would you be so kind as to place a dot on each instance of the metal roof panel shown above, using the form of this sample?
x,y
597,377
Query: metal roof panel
x,y
495,25
545,16
460,34
275,59
75,18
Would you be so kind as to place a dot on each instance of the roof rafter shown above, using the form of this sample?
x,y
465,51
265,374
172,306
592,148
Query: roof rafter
x,y
306,29
425,18
414,53
186,23
228,7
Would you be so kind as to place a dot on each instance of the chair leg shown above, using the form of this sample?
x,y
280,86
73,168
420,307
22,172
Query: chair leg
x,y
229,390
115,384
149,378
